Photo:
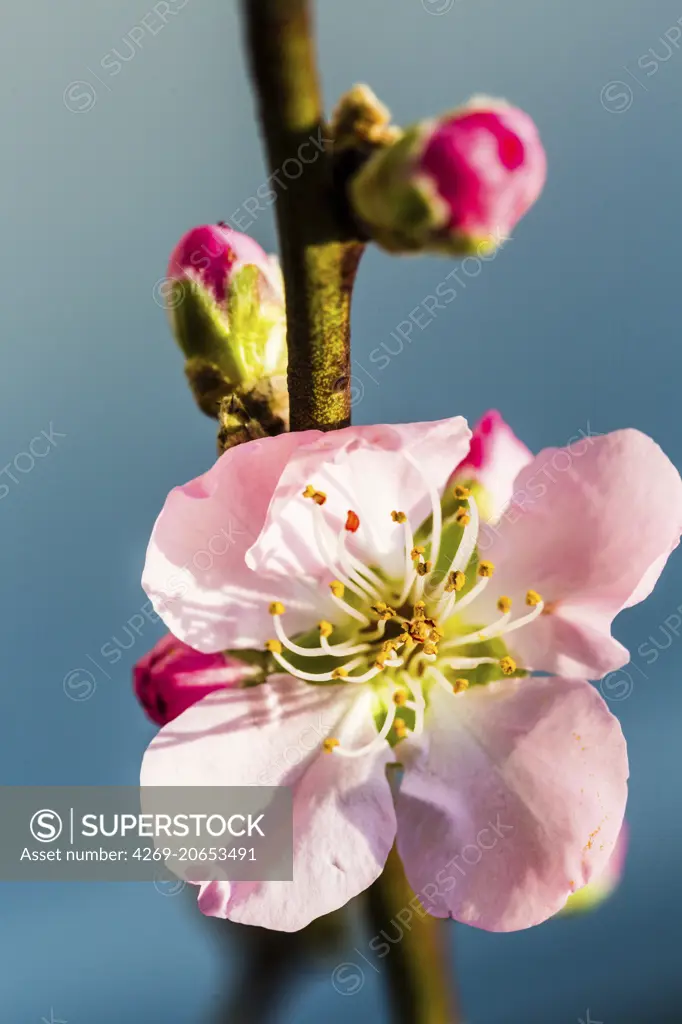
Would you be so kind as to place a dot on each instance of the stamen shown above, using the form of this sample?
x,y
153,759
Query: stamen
x,y
486,569
319,497
352,521
316,677
411,552
349,610
326,629
461,492
400,698
465,663
504,604
274,646
377,742
456,581
277,608
460,685
337,651
462,517
436,511
398,517
466,548
508,666
418,706
330,745
533,599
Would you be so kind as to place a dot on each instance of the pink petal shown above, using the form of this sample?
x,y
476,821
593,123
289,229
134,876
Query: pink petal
x,y
172,676
344,821
369,470
195,573
514,800
590,528
495,459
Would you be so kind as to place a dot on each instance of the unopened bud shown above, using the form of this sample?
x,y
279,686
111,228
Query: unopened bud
x,y
454,185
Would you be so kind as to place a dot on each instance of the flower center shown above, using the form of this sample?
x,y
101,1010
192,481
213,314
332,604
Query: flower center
x,y
403,635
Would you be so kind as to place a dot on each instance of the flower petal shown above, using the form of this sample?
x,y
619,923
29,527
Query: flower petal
x,y
344,821
369,469
590,528
195,573
496,457
513,800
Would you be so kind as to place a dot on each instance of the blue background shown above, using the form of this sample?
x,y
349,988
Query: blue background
x,y
574,324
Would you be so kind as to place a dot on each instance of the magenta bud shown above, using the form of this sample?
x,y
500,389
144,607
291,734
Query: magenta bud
x,y
455,184
172,677
211,254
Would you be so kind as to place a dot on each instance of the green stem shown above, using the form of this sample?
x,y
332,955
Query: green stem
x,y
420,979
319,259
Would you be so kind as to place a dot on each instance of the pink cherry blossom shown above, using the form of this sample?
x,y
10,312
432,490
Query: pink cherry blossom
x,y
390,613
172,676
486,166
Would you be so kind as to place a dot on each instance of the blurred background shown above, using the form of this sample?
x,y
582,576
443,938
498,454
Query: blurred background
x,y
120,131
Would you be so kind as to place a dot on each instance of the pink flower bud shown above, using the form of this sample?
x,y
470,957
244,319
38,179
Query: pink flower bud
x,y
487,167
173,676
457,184
210,255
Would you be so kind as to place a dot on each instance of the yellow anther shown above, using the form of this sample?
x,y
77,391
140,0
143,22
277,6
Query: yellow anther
x,y
419,607
508,666
384,611
462,517
325,628
330,744
400,729
424,568
456,581
461,492
319,497
277,608
430,647
274,646
460,685
400,698
533,599
504,604
380,662
403,638
416,552
339,673
388,646
398,517
337,588
486,569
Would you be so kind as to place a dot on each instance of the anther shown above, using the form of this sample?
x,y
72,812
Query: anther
x,y
384,611
486,569
508,666
339,673
400,729
504,604
424,568
352,521
533,599
460,685
400,698
461,492
330,744
274,646
337,588
319,497
456,581
277,608
398,517
416,552
419,607
325,628
462,517
430,647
